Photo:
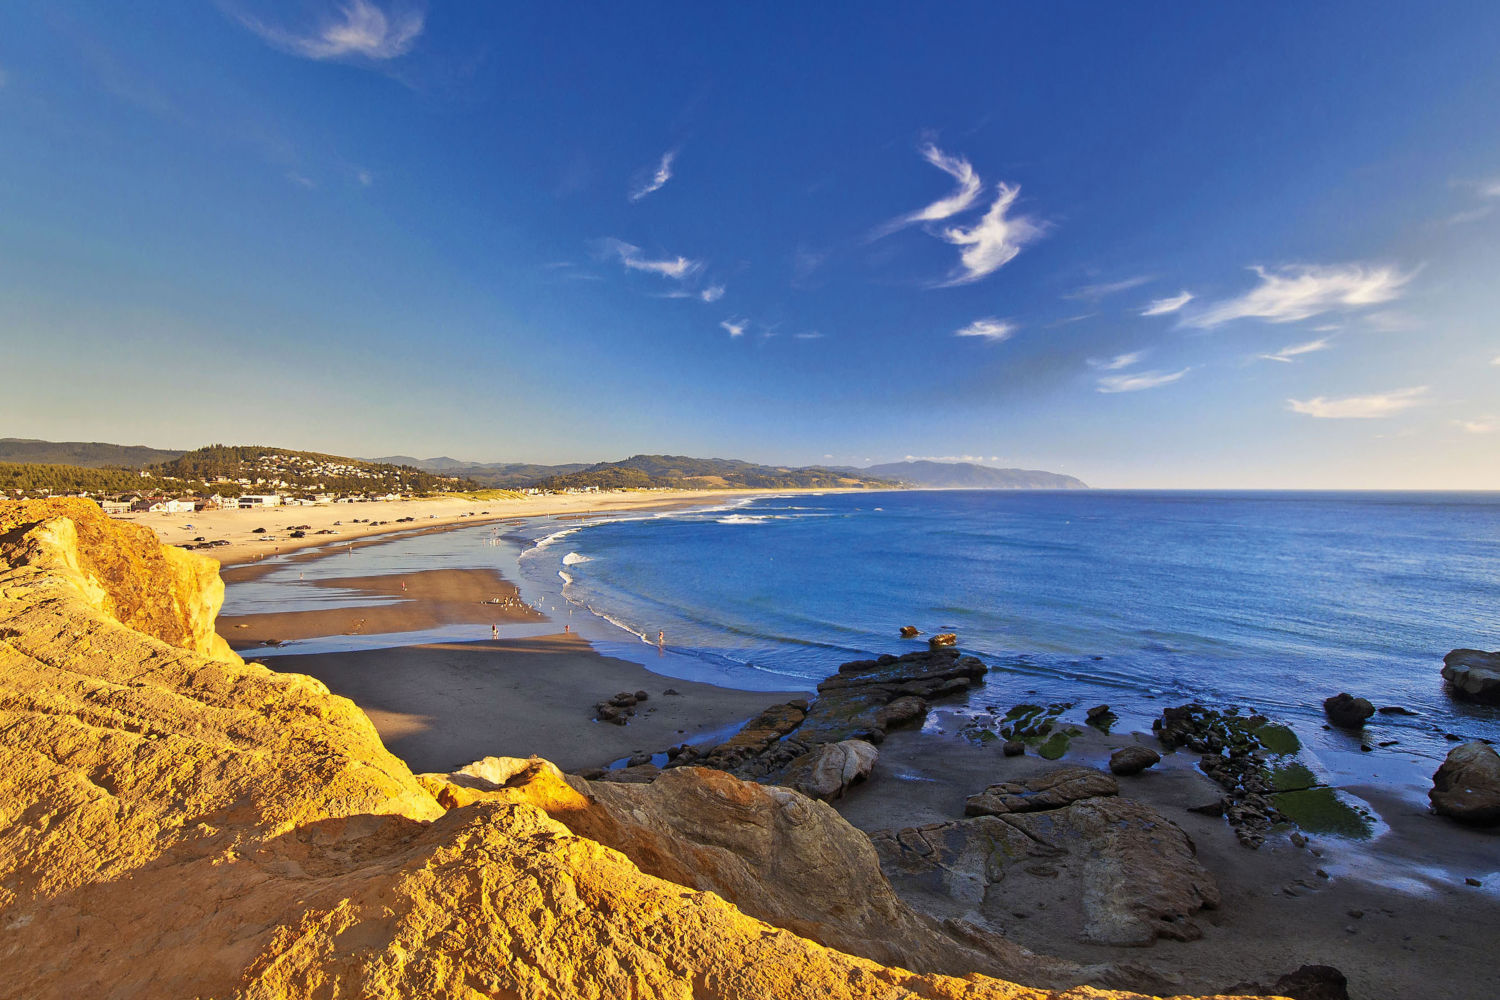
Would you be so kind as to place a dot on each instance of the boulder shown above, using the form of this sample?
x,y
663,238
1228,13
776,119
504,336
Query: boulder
x,y
1050,790
1132,760
827,771
1473,674
1013,748
1346,711
909,632
1097,712
1466,786
943,639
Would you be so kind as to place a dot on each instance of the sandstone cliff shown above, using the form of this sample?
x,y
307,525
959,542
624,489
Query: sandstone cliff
x,y
177,823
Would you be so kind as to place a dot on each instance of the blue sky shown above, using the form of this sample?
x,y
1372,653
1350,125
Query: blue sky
x,y
1167,245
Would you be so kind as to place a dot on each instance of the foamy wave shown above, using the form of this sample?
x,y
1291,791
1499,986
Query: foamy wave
x,y
743,519
542,543
573,559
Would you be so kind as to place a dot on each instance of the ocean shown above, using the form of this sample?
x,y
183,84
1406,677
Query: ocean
x,y
1271,601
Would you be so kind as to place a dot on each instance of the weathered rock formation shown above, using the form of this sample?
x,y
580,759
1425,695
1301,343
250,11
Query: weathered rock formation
x,y
860,702
174,822
1133,874
1466,786
827,771
1474,674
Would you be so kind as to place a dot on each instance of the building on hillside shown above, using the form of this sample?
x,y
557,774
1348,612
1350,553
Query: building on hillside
x,y
251,500
115,506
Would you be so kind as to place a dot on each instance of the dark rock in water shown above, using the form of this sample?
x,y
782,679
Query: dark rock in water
x,y
1346,711
1467,785
1051,790
1132,760
1473,674
943,639
1234,751
1097,712
1130,871
1013,748
1394,710
909,632
638,760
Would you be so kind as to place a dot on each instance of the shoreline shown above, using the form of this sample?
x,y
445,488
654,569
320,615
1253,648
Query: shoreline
x,y
247,546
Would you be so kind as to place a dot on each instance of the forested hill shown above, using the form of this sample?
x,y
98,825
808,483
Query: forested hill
x,y
86,454
704,473
282,468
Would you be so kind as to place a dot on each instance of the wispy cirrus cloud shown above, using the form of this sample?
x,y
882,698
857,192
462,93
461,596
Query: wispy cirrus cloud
x,y
1299,292
632,257
735,327
1170,304
351,28
962,198
712,293
1099,291
1288,353
1136,381
1488,193
1117,362
992,242
1484,425
1380,404
990,329
657,179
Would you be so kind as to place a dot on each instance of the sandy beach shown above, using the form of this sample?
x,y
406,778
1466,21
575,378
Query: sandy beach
x,y
259,532
443,705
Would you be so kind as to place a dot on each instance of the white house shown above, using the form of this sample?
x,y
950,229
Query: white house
x,y
250,500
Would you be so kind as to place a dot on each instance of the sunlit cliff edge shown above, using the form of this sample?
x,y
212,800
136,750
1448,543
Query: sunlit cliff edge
x,y
175,822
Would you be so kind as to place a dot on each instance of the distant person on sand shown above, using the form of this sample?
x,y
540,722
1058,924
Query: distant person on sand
x,y
494,631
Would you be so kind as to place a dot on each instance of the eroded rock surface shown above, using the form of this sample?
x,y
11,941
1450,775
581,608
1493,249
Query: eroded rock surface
x,y
826,772
1130,874
1049,790
174,822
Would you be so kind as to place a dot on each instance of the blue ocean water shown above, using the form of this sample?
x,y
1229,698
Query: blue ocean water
x,y
1270,600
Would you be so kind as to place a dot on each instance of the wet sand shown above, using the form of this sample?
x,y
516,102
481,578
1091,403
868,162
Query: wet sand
x,y
422,600
443,705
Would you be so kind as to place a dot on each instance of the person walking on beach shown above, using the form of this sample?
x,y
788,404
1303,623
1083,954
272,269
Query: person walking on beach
x,y
661,638
494,631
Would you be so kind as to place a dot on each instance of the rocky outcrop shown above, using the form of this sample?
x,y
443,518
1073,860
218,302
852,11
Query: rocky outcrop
x,y
1128,874
1234,756
1049,790
864,700
826,772
1466,786
1473,674
1346,711
174,822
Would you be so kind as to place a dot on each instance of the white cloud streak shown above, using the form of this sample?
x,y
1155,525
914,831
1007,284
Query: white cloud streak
x,y
1484,425
1137,381
1288,294
1161,307
992,242
809,335
1382,404
359,28
1117,362
712,293
962,198
735,327
658,179
1288,353
1109,288
677,268
990,329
